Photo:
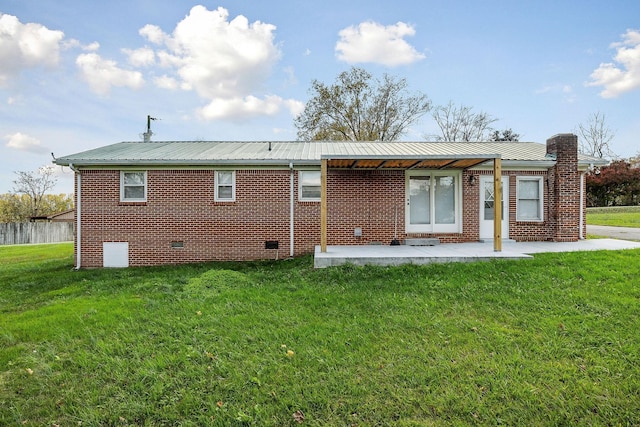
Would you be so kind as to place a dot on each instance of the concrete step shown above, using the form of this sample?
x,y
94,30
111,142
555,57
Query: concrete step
x,y
491,241
422,242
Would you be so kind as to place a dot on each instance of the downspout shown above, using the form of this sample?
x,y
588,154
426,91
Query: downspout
x,y
291,211
78,215
581,237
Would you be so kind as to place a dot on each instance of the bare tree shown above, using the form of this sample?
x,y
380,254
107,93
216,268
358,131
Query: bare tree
x,y
462,124
35,185
595,137
358,107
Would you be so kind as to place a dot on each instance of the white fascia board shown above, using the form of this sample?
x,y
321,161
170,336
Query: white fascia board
x,y
195,164
519,165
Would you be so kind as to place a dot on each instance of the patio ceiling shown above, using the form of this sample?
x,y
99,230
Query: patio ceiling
x,y
404,163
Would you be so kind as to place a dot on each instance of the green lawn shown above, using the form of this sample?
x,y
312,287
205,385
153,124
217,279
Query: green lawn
x,y
547,341
623,216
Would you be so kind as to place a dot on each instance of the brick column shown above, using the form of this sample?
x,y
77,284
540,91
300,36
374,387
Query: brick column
x,y
564,188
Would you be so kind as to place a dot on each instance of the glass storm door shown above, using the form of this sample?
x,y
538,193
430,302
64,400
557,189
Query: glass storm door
x,y
433,204
487,201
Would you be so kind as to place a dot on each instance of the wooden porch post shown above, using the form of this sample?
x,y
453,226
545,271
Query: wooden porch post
x,y
497,205
323,205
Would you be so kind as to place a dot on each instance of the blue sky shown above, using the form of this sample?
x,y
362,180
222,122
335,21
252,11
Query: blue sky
x,y
75,75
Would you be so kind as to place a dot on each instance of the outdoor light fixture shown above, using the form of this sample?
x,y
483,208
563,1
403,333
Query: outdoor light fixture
x,y
472,180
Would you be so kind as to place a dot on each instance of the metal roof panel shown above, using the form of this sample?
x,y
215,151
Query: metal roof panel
x,y
309,152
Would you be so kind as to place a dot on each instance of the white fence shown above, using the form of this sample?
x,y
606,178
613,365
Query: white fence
x,y
19,233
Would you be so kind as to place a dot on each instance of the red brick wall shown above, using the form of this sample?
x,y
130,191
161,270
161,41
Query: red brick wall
x,y
180,207
564,191
366,199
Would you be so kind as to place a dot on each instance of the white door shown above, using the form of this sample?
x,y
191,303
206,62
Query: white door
x,y
487,201
433,200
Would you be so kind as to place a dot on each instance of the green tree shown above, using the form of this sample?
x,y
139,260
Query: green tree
x,y
14,208
358,107
18,207
617,184
505,135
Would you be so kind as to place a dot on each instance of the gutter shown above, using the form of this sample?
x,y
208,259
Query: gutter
x,y
78,216
291,209
185,162
581,222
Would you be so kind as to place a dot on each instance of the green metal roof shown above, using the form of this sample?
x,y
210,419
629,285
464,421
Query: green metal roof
x,y
159,153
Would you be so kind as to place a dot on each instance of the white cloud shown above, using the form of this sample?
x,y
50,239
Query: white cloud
x,y
73,44
91,47
291,75
249,106
142,57
568,95
153,33
166,82
23,142
371,42
224,61
624,75
26,46
101,74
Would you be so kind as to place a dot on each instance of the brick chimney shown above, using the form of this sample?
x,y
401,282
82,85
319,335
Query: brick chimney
x,y
564,188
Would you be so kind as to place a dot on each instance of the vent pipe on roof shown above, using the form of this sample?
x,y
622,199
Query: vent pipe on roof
x,y
148,133
269,145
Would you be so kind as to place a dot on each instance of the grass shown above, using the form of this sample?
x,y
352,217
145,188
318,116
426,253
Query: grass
x,y
547,341
622,216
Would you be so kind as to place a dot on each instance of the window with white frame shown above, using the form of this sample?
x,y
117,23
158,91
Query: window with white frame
x,y
225,186
529,199
309,186
133,186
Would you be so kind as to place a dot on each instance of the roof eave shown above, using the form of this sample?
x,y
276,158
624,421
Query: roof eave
x,y
183,162
408,156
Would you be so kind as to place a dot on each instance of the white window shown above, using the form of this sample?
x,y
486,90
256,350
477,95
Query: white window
x,y
225,183
309,186
133,186
433,200
529,195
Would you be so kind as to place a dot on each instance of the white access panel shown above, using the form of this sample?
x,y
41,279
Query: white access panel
x,y
115,254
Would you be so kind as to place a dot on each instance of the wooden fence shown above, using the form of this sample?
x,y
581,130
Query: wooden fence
x,y
19,233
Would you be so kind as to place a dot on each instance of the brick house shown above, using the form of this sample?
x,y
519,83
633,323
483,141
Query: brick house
x,y
149,203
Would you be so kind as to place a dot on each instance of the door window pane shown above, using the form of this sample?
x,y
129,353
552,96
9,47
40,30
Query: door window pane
x,y
489,202
419,201
445,200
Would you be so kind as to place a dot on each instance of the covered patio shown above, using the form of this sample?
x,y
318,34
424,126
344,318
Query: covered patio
x,y
407,161
455,252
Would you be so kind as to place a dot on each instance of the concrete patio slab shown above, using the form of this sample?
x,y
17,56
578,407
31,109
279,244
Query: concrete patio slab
x,y
455,252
